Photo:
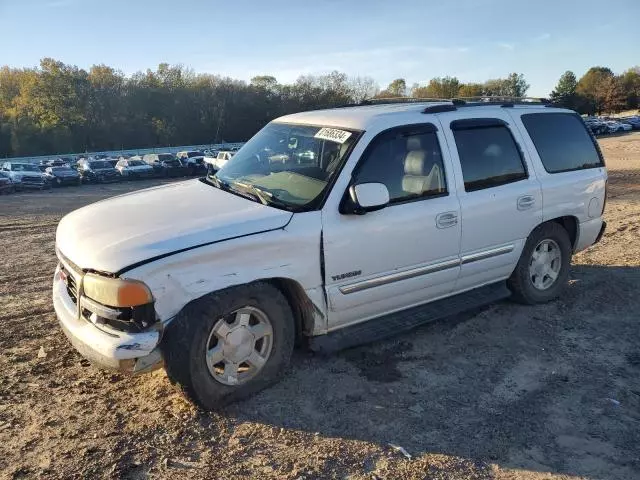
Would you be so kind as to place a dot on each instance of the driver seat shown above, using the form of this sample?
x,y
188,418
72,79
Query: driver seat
x,y
422,173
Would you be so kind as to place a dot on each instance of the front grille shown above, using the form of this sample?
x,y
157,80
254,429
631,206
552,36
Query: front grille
x,y
32,179
72,286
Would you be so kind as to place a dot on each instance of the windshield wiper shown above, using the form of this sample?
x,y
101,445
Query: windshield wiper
x,y
263,196
216,182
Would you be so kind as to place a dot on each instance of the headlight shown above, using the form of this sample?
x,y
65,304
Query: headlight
x,y
116,292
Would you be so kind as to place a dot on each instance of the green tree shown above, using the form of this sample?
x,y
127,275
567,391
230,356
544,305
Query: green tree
x,y
266,82
630,81
594,86
439,87
565,94
494,87
515,85
397,88
470,90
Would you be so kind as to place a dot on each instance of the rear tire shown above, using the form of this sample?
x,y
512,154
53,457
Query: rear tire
x,y
187,341
536,280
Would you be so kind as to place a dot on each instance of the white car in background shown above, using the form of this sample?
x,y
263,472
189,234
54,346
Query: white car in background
x,y
220,160
193,160
134,168
25,175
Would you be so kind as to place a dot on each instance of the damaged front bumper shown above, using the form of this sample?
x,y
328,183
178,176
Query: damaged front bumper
x,y
129,352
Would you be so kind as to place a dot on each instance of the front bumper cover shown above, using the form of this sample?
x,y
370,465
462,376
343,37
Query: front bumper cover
x,y
106,347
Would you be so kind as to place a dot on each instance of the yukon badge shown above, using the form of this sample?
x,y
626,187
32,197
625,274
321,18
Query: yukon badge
x,y
342,276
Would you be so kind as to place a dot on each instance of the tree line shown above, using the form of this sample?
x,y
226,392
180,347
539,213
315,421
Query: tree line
x,y
60,108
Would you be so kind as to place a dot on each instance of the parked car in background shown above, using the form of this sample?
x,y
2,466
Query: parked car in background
x,y
220,160
62,175
164,164
633,121
615,127
193,161
596,126
25,175
59,162
6,185
134,168
97,171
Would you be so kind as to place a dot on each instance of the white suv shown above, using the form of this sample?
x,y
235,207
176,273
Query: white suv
x,y
408,212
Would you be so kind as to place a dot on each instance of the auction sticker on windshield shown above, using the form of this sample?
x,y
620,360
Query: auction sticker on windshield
x,y
333,135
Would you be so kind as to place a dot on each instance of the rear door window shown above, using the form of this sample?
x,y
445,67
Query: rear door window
x,y
489,156
562,141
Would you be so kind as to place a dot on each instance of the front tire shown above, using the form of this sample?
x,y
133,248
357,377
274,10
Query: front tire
x,y
543,269
229,345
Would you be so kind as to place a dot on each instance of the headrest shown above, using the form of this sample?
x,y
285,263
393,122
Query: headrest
x,y
414,143
414,162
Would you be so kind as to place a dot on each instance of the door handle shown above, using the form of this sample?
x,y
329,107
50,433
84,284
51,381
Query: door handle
x,y
525,202
446,219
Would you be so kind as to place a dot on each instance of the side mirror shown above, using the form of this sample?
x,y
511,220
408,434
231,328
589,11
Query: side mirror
x,y
365,197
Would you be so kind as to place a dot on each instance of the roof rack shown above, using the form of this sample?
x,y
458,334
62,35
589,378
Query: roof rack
x,y
450,104
499,99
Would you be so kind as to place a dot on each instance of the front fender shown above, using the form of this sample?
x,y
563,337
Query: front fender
x,y
291,253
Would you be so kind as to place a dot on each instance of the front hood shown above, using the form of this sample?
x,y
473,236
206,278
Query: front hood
x,y
113,234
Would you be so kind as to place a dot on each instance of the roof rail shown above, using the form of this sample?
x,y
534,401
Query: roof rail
x,y
446,103
500,99
383,100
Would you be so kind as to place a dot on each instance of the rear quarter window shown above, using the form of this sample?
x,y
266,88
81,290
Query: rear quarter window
x,y
562,141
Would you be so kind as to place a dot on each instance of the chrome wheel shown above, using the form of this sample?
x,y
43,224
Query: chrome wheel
x,y
239,345
545,264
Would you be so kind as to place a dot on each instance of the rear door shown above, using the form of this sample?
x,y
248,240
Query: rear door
x,y
500,196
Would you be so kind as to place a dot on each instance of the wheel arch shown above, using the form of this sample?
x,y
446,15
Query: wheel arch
x,y
570,224
305,313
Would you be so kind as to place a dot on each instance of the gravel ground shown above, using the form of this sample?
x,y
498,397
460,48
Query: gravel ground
x,y
504,392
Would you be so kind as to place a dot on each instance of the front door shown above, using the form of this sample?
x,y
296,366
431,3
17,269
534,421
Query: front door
x,y
405,254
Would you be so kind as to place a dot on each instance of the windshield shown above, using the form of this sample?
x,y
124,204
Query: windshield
x,y
165,157
98,165
61,169
290,165
135,163
24,167
194,154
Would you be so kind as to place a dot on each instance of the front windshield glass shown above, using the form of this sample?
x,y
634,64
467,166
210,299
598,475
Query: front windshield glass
x,y
165,157
290,165
60,169
135,163
99,165
194,154
24,167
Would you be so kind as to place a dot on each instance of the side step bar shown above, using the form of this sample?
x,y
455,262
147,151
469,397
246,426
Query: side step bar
x,y
399,322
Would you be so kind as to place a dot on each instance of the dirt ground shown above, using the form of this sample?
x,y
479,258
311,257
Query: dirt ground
x,y
506,392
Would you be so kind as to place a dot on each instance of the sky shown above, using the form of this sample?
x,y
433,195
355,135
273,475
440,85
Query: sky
x,y
473,40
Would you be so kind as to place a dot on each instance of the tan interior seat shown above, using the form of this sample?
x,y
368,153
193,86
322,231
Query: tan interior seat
x,y
422,172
